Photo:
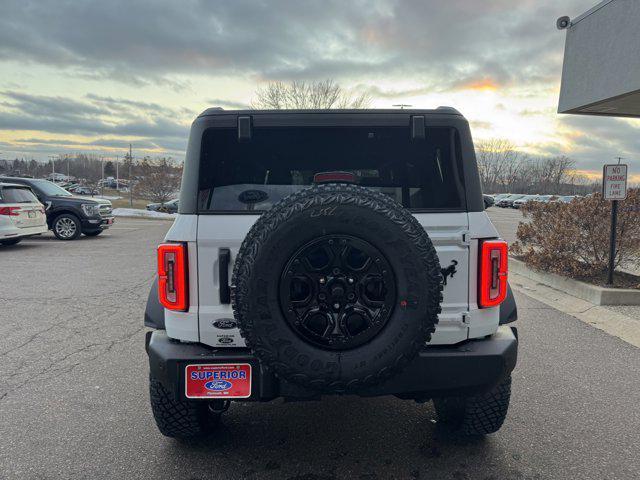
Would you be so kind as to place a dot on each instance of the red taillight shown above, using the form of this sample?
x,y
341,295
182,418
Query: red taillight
x,y
492,287
11,211
172,276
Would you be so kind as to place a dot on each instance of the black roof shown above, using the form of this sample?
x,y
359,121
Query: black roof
x,y
386,111
20,179
9,184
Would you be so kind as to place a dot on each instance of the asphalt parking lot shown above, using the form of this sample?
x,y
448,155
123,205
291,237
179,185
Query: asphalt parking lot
x,y
73,391
506,220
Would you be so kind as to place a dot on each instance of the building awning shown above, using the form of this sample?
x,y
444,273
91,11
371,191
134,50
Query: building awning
x,y
601,70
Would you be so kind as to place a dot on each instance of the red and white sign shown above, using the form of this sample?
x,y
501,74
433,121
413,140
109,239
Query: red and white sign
x,y
218,381
614,182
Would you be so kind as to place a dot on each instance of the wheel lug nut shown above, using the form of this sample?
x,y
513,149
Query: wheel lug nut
x,y
322,280
336,271
336,306
350,280
351,296
322,296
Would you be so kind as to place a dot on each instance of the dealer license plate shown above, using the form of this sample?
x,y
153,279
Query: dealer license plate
x,y
231,380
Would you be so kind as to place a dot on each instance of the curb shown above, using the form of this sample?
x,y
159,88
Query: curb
x,y
591,293
133,217
604,318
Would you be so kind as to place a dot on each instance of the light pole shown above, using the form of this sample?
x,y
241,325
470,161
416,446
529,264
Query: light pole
x,y
102,176
53,167
130,181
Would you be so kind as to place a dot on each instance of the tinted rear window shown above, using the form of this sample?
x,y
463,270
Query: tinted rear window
x,y
16,195
252,176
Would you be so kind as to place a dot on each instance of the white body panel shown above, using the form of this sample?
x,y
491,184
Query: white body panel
x,y
184,325
481,321
30,220
216,232
454,235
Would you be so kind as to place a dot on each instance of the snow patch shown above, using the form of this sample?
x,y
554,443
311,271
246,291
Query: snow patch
x,y
107,197
136,212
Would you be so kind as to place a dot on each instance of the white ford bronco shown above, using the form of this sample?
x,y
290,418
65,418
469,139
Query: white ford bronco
x,y
330,252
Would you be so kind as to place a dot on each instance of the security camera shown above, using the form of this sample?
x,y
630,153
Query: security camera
x,y
563,22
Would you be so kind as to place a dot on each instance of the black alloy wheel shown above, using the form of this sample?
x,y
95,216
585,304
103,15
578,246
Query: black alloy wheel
x,y
337,292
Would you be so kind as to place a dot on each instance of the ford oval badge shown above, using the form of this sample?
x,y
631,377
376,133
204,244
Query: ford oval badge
x,y
225,323
218,385
252,196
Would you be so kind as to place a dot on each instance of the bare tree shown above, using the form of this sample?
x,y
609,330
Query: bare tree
x,y
499,164
503,168
306,95
160,180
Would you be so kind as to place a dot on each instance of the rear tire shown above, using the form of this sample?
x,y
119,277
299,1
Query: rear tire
x,y
93,233
13,241
181,419
479,415
66,227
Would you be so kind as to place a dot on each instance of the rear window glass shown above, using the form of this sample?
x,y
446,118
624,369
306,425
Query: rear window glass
x,y
17,195
252,176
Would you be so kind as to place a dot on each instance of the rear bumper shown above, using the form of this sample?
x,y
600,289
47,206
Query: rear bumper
x,y
10,232
469,368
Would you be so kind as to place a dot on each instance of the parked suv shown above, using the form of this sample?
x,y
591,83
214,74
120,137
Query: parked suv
x,y
168,207
507,202
69,215
330,253
21,214
524,199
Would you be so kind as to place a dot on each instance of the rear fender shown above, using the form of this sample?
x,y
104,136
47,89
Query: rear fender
x,y
154,313
508,308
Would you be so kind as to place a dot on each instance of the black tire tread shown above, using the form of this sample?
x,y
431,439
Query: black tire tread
x,y
318,196
13,241
180,419
479,415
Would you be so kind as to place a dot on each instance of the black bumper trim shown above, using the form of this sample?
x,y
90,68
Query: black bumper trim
x,y
101,225
469,368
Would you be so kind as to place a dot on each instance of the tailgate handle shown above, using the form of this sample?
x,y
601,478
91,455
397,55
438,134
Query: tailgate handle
x,y
224,256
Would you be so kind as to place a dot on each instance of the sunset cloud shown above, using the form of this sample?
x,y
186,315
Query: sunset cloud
x,y
85,77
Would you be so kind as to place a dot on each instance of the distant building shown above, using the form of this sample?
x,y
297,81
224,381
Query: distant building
x,y
601,71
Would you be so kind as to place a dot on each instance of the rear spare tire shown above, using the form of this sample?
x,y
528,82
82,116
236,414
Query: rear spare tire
x,y
336,288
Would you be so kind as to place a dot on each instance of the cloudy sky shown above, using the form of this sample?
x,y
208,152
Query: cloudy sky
x,y
93,76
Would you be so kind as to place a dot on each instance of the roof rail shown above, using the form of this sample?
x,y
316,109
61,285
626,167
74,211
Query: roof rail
x,y
444,108
211,109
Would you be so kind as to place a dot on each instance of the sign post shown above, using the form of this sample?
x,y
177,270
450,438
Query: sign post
x,y
614,188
